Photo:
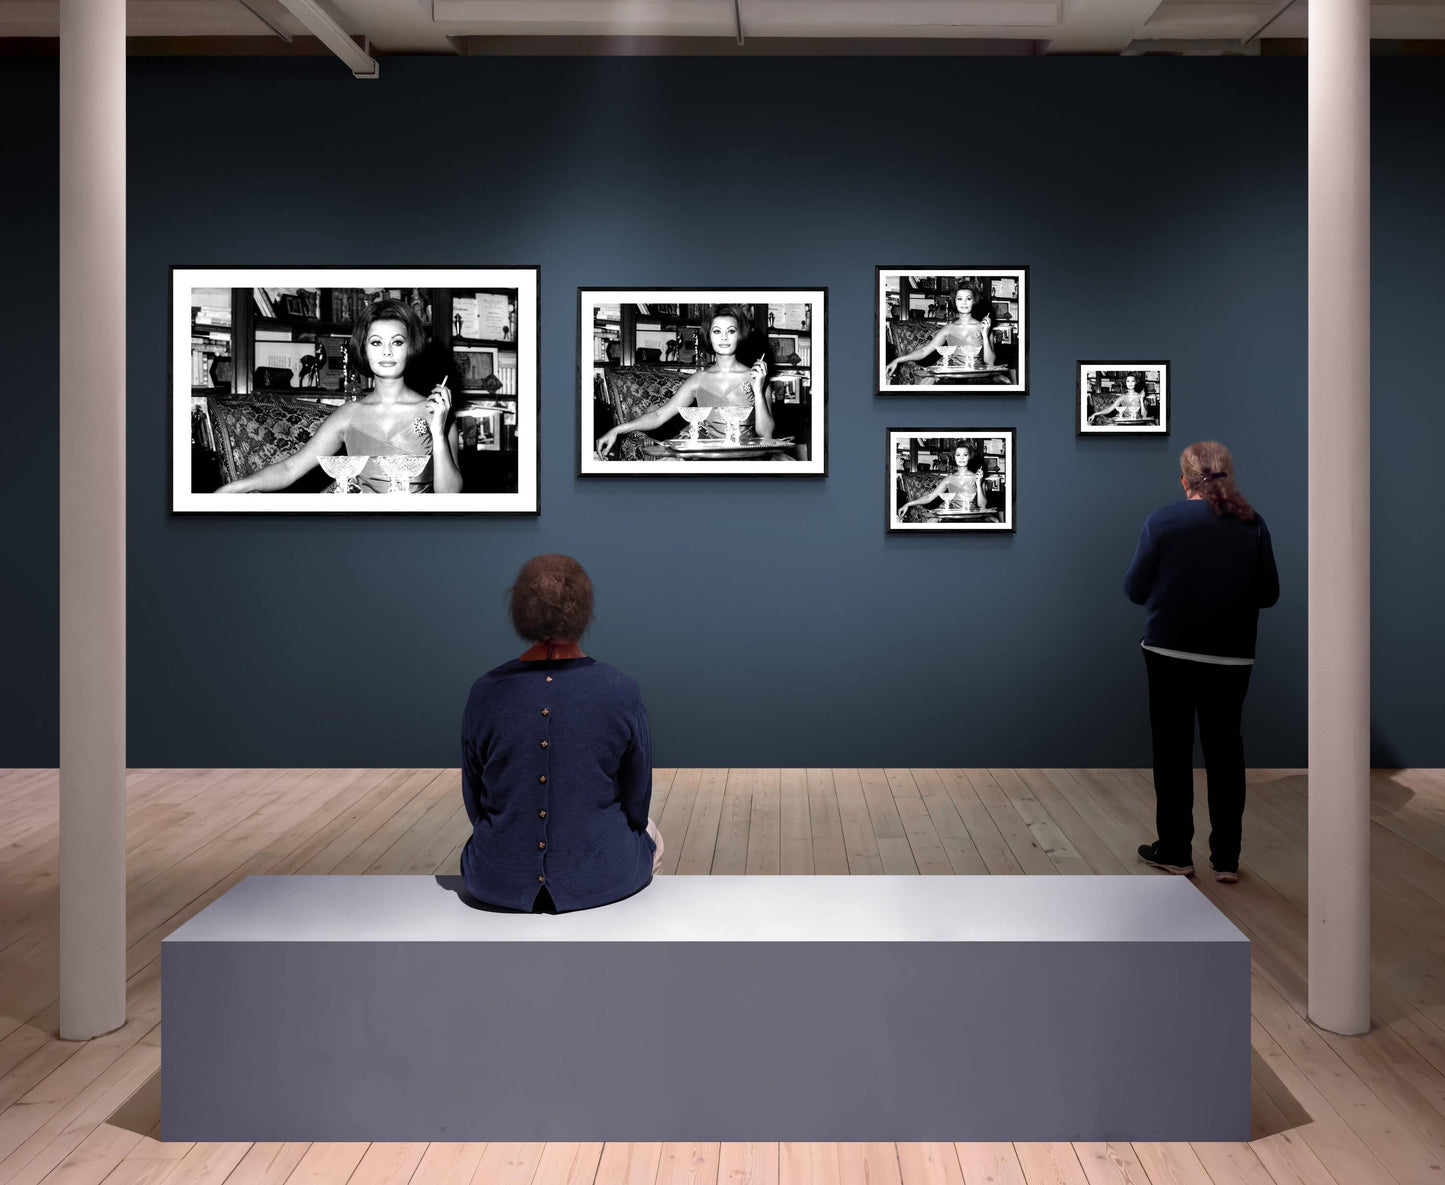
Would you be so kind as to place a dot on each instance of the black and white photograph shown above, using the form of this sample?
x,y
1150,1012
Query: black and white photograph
x,y
951,331
951,479
1123,399
318,389
702,381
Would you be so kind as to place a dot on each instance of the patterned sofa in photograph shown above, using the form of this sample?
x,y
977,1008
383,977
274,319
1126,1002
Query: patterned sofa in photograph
x,y
903,338
252,433
631,391
915,485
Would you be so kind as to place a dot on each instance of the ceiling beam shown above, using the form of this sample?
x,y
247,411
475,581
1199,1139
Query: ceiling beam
x,y
269,13
788,18
320,18
1100,26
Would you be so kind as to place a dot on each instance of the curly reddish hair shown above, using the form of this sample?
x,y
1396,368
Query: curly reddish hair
x,y
1208,470
551,599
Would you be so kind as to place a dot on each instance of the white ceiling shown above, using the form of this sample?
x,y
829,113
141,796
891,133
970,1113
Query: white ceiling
x,y
1060,26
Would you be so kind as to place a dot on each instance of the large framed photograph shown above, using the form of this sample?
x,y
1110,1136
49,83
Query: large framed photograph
x,y
1123,399
951,330
702,381
345,390
951,479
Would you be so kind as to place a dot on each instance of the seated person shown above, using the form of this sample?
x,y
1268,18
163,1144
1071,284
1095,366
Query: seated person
x,y
1128,406
963,489
392,419
966,341
727,382
556,762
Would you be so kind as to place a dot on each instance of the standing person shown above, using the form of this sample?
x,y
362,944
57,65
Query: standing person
x,y
556,762
391,419
1204,568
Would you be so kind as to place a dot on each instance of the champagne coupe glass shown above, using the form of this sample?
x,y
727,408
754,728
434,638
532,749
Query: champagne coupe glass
x,y
694,416
401,468
973,353
733,418
341,469
945,353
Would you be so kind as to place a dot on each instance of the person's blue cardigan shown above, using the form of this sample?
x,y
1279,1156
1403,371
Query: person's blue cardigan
x,y
1203,578
556,779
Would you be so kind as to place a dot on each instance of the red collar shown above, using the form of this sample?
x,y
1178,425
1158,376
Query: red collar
x,y
551,648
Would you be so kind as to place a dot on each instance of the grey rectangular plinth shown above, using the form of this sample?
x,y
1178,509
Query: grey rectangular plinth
x,y
710,1008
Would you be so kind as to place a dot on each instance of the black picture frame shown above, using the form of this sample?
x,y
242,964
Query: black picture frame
x,y
994,518
935,379
611,359
332,296
1154,377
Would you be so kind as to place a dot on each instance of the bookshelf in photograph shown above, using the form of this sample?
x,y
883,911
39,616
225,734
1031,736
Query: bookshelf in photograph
x,y
284,349
669,337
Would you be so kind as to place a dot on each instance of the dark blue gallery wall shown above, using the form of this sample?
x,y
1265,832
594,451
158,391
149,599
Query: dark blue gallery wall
x,y
29,416
1161,206
1407,521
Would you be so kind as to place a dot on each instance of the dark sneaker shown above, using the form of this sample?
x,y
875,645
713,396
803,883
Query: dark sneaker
x,y
1146,853
1226,876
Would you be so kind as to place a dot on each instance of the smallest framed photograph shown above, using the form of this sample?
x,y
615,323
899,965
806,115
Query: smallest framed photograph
x,y
951,479
1123,398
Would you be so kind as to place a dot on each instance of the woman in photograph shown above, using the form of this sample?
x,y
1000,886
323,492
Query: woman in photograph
x,y
556,762
727,382
391,419
1203,570
963,488
969,335
1128,406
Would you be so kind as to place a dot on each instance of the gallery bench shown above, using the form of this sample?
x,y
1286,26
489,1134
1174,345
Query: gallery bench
x,y
710,1008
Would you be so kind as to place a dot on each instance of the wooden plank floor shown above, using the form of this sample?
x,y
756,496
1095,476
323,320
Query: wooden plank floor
x,y
1326,1110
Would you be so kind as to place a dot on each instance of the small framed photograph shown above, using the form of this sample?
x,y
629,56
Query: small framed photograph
x,y
478,367
951,479
1123,398
951,330
700,382
353,390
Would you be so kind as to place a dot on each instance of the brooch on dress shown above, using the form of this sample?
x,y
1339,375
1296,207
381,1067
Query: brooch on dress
x,y
419,427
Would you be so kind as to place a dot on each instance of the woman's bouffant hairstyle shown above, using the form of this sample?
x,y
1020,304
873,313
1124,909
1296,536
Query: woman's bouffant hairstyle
x,y
975,453
1209,472
551,600
976,290
385,310
736,312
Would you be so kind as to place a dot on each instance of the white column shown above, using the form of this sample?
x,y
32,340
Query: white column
x,y
92,517
1339,519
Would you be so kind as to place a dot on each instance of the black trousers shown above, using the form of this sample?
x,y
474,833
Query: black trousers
x,y
1180,689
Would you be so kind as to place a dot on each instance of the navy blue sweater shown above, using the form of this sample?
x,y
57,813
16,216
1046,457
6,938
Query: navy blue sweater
x,y
1203,578
556,778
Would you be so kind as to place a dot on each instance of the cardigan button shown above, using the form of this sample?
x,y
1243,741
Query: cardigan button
x,y
541,879
549,678
541,814
544,744
541,846
543,779
545,712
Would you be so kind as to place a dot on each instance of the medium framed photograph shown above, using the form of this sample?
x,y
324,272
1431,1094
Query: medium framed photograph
x,y
344,390
701,381
951,330
1123,399
951,479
